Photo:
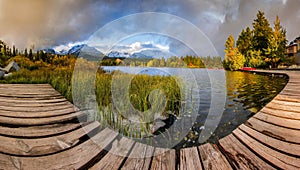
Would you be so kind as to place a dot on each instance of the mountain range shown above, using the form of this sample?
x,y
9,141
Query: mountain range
x,y
79,50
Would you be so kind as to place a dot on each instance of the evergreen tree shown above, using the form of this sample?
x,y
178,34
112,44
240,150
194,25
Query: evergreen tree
x,y
42,55
277,43
244,43
25,52
234,60
280,37
272,52
261,33
4,50
30,55
3,56
162,62
37,58
14,51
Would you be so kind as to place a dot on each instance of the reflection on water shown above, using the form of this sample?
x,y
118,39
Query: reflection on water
x,y
247,93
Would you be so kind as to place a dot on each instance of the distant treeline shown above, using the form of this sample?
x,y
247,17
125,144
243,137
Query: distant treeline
x,y
31,59
180,62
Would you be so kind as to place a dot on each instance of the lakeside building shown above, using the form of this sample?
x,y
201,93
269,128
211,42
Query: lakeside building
x,y
293,50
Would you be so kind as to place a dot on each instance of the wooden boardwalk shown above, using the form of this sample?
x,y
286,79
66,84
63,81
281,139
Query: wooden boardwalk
x,y
39,130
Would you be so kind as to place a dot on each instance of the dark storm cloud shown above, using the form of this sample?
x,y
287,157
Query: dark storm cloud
x,y
46,22
54,22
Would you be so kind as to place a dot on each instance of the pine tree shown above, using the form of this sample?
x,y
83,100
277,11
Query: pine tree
x,y
3,56
14,51
261,33
244,43
42,55
271,52
280,37
4,50
277,42
25,52
30,55
234,60
37,58
162,62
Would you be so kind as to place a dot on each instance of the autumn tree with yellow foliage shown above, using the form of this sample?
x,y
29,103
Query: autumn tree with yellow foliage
x,y
234,60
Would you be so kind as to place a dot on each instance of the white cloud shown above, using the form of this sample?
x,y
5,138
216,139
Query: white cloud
x,y
162,47
135,47
66,47
284,1
215,16
140,46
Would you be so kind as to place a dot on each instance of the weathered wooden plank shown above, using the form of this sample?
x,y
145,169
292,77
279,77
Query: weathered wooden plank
x,y
26,86
43,146
32,101
29,92
189,159
287,98
292,94
116,155
38,131
139,158
281,133
240,156
26,111
41,96
164,159
289,148
34,104
9,162
212,158
21,84
288,123
278,106
38,99
40,121
280,160
286,103
74,158
29,87
281,113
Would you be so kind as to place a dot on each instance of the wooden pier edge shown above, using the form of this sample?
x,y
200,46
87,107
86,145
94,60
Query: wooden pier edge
x,y
39,129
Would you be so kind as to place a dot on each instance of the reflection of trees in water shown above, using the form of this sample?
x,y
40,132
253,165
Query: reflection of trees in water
x,y
247,93
252,90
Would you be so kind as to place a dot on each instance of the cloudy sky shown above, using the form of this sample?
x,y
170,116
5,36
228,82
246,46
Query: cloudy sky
x,y
50,23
